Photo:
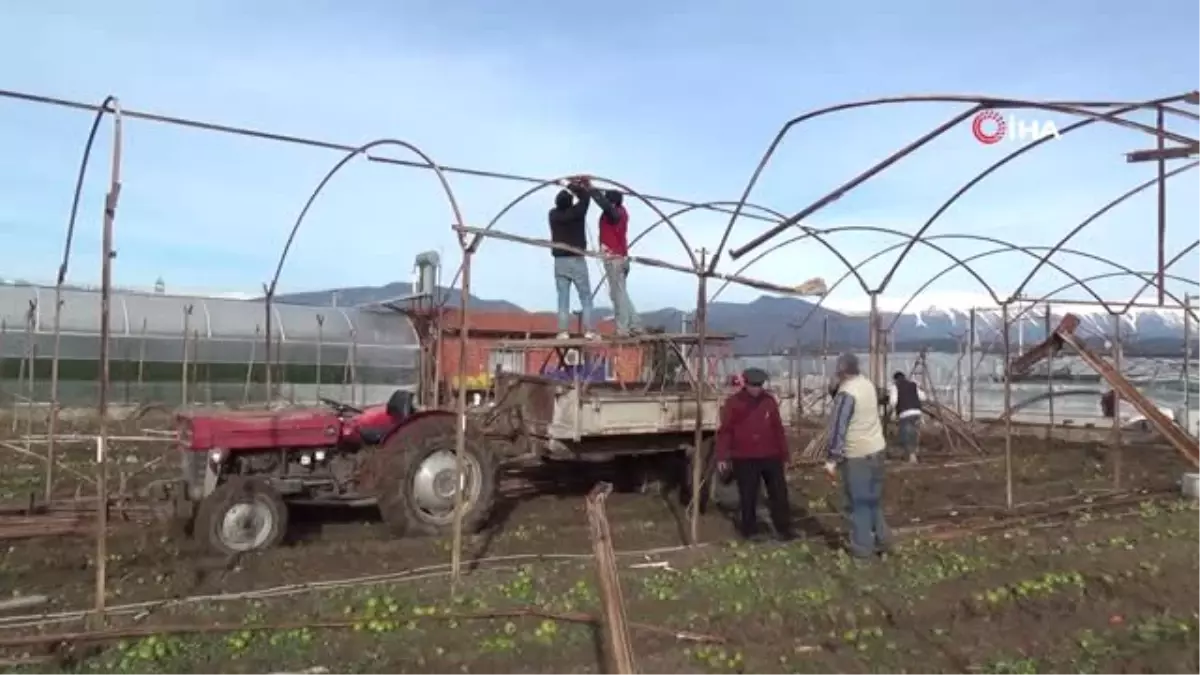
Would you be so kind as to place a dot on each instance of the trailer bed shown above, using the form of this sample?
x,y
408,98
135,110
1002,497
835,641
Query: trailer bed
x,y
557,410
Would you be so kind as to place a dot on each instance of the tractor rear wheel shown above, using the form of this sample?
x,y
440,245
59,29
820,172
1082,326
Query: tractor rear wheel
x,y
241,515
419,478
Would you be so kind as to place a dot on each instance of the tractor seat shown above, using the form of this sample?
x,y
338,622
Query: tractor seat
x,y
399,408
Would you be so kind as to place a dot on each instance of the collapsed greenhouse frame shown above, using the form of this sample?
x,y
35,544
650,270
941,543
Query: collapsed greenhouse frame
x,y
469,238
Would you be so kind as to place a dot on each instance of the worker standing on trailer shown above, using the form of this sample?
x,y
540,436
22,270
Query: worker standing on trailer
x,y
752,444
568,226
856,454
906,399
614,244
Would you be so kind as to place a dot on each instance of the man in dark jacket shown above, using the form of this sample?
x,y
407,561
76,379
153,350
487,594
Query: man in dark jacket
x,y
752,444
906,401
568,226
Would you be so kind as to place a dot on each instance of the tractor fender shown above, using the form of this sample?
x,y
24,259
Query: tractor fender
x,y
416,426
417,422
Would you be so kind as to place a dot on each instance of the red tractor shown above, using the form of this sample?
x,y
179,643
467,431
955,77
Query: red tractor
x,y
242,469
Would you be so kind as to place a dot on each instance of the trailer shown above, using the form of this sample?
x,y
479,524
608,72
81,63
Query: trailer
x,y
241,471
660,415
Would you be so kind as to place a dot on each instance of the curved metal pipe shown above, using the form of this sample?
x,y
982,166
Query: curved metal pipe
x,y
1050,297
971,237
979,103
887,278
1150,282
110,104
338,167
1092,218
888,249
1029,251
478,239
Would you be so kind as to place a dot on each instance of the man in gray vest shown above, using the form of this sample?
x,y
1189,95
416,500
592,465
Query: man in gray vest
x,y
856,454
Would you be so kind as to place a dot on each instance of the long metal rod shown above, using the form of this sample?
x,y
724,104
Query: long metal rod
x,y
1049,329
1187,367
1117,439
1008,431
460,433
701,384
343,147
106,256
1162,210
184,394
971,366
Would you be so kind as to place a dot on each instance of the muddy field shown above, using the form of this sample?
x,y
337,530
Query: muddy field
x,y
1079,577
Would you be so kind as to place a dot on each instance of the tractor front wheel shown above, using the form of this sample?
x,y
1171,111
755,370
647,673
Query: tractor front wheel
x,y
241,515
420,478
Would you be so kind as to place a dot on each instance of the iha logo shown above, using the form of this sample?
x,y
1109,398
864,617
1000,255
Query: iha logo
x,y
990,127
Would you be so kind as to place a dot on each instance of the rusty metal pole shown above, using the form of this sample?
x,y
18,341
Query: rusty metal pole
x,y
320,348
52,422
958,381
141,369
1187,363
698,458
873,340
106,257
26,363
1162,211
183,378
1117,440
825,364
1050,380
460,435
1008,468
971,366
268,293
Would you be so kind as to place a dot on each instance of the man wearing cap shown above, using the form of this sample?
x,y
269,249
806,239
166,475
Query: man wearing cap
x,y
752,444
856,454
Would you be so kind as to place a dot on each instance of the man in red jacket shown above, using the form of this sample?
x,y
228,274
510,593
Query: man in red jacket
x,y
614,243
752,444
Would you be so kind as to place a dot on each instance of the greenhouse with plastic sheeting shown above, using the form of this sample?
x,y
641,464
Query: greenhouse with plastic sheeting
x,y
211,350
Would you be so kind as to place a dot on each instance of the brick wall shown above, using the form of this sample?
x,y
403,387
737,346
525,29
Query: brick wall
x,y
486,329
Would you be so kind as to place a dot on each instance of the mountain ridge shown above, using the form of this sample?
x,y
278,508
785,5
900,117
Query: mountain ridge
x,y
773,323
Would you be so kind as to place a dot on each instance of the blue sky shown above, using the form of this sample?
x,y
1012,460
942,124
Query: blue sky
x,y
669,97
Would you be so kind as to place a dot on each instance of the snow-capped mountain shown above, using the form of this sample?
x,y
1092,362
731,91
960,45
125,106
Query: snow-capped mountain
x,y
769,324
1030,323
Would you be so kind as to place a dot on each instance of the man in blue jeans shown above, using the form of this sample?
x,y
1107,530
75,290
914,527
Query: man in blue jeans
x,y
856,453
568,227
906,401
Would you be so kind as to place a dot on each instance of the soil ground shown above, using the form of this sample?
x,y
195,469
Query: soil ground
x,y
1091,590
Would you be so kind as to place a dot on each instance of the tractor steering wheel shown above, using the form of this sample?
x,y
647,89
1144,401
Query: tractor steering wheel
x,y
339,407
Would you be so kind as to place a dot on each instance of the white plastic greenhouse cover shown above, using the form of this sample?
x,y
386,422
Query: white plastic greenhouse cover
x,y
160,315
